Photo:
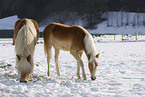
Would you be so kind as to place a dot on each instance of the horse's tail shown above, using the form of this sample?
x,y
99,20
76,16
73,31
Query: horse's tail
x,y
24,48
47,41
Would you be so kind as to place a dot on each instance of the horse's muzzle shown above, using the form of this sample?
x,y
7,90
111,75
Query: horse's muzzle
x,y
25,81
93,78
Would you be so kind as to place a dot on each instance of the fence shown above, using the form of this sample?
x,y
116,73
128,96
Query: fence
x,y
123,37
9,33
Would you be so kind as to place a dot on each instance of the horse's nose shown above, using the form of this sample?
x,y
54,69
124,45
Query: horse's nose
x,y
23,81
93,78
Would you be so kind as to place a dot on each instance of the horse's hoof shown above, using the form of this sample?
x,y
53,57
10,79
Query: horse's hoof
x,y
48,74
85,78
93,78
79,77
25,81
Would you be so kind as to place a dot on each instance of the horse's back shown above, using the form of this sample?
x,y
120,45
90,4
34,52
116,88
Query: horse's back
x,y
21,22
63,31
65,36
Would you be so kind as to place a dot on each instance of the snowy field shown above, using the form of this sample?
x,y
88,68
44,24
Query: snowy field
x,y
121,73
121,70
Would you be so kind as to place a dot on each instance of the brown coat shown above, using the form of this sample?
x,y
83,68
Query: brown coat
x,y
64,37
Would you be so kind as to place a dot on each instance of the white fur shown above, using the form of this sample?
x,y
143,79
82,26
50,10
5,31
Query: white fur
x,y
90,47
24,46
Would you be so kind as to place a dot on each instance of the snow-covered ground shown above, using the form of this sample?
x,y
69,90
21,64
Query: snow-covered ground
x,y
121,73
119,38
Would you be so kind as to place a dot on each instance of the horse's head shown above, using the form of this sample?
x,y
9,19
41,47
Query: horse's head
x,y
24,67
92,64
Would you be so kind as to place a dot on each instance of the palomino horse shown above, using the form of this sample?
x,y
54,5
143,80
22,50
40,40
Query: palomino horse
x,y
26,35
75,39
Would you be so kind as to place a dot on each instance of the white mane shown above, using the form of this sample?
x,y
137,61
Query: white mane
x,y
25,38
90,47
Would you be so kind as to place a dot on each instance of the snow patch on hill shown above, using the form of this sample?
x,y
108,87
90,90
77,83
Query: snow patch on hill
x,y
8,22
132,23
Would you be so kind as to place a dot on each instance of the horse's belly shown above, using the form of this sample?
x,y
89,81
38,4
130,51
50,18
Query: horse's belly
x,y
62,45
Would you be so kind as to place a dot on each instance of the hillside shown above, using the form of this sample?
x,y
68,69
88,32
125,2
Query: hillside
x,y
110,26
90,11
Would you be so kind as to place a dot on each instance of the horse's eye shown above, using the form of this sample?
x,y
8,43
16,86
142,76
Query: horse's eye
x,y
18,58
29,58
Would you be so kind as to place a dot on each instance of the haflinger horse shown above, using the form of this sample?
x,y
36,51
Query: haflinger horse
x,y
75,39
26,35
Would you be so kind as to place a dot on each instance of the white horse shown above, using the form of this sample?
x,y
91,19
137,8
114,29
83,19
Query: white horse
x,y
26,35
75,39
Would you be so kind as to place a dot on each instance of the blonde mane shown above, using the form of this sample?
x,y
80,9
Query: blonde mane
x,y
89,46
25,38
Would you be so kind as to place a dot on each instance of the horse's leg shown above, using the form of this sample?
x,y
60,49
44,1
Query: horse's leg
x,y
56,60
79,60
48,52
78,66
48,61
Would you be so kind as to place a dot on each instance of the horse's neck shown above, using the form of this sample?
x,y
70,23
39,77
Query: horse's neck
x,y
32,29
90,57
89,47
90,53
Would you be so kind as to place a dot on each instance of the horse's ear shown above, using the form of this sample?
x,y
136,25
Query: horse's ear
x,y
97,56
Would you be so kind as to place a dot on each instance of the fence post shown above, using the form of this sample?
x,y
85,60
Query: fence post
x,y
136,36
122,37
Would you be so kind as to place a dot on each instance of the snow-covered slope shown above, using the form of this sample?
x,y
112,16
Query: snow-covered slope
x,y
8,22
121,22
102,28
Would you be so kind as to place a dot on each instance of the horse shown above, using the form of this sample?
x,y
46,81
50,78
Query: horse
x,y
75,39
26,35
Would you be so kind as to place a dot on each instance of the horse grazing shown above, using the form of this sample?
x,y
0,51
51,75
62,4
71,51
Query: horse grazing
x,y
75,39
26,35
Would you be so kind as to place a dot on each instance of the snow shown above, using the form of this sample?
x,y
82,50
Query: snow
x,y
8,22
120,72
120,38
103,29
121,22
114,20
